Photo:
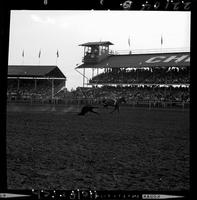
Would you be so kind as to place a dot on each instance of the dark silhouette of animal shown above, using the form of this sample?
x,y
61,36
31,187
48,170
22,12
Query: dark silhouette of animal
x,y
113,103
88,108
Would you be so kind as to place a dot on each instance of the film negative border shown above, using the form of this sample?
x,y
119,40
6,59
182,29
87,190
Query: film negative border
x,y
165,5
160,5
92,194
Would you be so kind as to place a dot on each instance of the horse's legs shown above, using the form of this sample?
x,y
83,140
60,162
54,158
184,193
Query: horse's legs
x,y
94,112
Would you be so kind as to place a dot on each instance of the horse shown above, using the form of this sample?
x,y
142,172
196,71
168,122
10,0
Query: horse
x,y
88,108
113,103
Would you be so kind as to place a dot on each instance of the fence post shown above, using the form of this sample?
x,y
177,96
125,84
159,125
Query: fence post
x,y
183,105
134,103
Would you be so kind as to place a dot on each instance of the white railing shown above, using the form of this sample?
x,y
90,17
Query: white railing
x,y
148,51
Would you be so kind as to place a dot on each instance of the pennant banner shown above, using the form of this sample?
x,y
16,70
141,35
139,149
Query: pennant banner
x,y
161,40
39,54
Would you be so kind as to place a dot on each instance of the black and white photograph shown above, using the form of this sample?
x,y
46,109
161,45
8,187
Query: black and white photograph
x,y
98,100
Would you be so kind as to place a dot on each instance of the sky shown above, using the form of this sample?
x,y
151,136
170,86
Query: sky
x,y
64,31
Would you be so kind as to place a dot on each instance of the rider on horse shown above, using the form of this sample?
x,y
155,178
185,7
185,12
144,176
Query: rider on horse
x,y
115,102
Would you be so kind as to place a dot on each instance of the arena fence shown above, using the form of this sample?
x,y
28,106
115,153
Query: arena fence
x,y
81,101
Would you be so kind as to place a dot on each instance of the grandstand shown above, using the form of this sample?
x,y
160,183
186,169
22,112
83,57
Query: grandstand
x,y
33,82
157,77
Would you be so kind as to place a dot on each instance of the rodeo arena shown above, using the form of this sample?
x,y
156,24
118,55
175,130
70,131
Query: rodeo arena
x,y
143,145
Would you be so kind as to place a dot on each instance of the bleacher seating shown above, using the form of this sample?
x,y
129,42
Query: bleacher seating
x,y
136,93
146,76
28,90
140,89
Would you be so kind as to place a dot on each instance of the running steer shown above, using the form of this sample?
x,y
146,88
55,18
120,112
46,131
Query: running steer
x,y
86,109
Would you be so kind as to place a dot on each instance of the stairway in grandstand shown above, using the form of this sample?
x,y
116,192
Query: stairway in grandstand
x,y
57,90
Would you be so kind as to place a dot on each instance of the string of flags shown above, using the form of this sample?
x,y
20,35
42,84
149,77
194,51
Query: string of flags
x,y
39,54
129,41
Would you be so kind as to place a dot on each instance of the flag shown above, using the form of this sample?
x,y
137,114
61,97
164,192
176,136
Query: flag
x,y
23,54
129,41
161,40
57,54
39,54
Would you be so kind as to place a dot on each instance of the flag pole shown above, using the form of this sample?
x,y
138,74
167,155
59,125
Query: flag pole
x,y
57,56
23,54
129,43
161,43
39,56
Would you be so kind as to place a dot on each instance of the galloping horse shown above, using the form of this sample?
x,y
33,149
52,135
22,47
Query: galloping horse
x,y
113,103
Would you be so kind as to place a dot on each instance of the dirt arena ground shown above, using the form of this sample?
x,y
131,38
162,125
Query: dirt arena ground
x,y
137,149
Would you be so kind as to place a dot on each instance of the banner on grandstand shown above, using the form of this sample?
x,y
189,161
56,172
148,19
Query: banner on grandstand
x,y
178,59
143,60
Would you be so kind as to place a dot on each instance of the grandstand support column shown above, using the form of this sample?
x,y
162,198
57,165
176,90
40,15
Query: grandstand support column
x,y
52,88
183,105
18,84
83,77
137,77
35,86
92,72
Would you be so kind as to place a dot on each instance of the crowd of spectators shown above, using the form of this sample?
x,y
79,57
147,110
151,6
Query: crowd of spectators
x,y
144,75
41,89
135,93
28,89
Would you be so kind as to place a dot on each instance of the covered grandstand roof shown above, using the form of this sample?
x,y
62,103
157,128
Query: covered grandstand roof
x,y
143,60
34,71
96,43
